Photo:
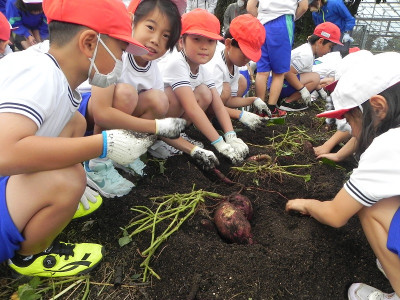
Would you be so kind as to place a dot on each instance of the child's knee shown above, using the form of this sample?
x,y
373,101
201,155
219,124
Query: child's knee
x,y
74,188
125,98
203,95
156,101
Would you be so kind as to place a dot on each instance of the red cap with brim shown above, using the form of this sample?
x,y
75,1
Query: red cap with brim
x,y
201,22
5,30
109,17
334,114
331,87
328,31
250,35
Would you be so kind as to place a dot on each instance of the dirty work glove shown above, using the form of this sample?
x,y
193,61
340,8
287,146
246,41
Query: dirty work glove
x,y
205,158
170,127
88,195
240,147
262,107
347,38
124,146
322,94
251,120
305,95
226,150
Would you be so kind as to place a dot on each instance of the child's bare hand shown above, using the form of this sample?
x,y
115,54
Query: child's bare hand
x,y
297,205
320,150
31,40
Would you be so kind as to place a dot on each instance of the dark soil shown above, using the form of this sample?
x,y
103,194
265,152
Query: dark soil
x,y
294,256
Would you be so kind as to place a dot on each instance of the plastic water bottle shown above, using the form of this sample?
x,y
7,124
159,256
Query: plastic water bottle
x,y
329,106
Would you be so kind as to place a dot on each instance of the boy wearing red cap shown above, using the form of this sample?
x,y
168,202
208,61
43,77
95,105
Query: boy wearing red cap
x,y
191,89
300,80
243,41
42,177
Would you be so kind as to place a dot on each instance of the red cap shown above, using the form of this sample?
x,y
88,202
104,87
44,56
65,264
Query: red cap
x,y
250,35
331,87
180,4
201,22
108,17
354,49
5,29
328,31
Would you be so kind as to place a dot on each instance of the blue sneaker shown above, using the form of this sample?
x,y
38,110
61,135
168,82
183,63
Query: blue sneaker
x,y
135,168
103,177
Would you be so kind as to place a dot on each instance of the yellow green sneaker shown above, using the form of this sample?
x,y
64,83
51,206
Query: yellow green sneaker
x,y
90,201
60,260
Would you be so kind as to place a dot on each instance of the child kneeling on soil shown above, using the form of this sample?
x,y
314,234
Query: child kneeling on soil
x,y
137,102
42,176
300,80
243,41
368,97
191,90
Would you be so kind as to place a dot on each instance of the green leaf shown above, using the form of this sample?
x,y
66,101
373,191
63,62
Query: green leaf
x,y
125,240
307,178
34,282
136,276
26,292
327,161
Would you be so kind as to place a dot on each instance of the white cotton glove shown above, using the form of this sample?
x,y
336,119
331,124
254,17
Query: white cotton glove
x,y
170,127
347,38
226,150
322,94
305,95
204,158
124,146
262,107
88,196
251,120
240,147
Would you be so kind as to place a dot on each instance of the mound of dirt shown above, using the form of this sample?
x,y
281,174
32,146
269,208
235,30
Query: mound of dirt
x,y
294,257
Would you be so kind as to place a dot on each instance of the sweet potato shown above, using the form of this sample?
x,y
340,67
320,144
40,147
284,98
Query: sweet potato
x,y
242,203
232,225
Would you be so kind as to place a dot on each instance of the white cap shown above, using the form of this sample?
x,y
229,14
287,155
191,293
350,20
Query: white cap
x,y
359,84
32,1
352,61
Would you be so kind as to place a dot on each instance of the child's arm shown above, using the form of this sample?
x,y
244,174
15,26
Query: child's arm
x,y
348,149
194,112
44,29
108,117
291,77
334,213
252,7
336,138
301,9
21,151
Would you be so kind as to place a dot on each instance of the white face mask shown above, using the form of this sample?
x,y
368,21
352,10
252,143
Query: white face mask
x,y
104,80
240,3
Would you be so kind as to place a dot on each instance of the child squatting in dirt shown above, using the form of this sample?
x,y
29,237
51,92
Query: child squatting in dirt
x,y
368,97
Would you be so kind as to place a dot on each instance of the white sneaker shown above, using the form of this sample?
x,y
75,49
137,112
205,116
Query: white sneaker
x,y
162,150
192,141
103,177
361,291
135,168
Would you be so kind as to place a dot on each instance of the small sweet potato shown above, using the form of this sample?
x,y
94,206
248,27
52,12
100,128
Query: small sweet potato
x,y
232,225
242,203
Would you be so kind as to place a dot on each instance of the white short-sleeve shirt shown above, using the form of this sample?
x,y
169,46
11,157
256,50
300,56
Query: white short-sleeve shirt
x,y
142,78
32,84
176,73
326,65
271,9
378,174
218,67
302,58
